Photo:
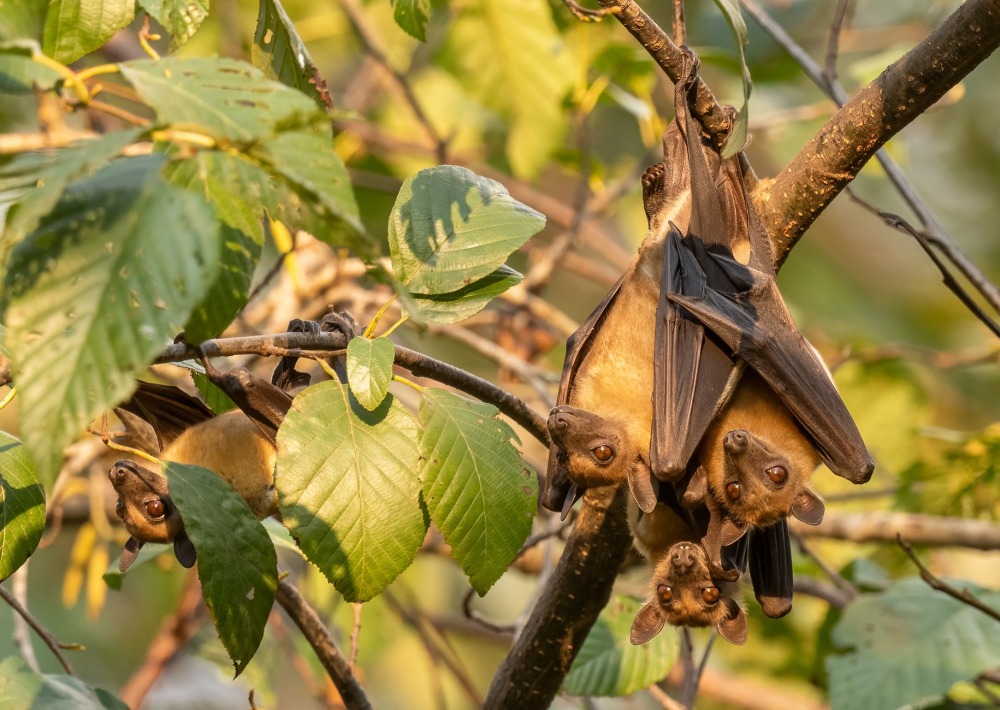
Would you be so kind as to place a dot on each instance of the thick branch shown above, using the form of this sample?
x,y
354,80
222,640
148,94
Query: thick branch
x,y
318,636
576,592
879,526
793,199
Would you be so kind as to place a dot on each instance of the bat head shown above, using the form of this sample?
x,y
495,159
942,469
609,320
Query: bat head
x,y
764,479
149,515
684,593
594,452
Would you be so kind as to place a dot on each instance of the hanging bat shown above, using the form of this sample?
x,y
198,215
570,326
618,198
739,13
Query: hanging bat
x,y
238,445
683,592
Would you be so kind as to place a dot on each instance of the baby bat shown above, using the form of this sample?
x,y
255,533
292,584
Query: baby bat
x,y
683,592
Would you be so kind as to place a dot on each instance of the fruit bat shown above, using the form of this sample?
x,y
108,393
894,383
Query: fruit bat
x,y
705,276
683,592
237,445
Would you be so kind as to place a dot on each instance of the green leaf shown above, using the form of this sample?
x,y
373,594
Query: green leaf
x,y
478,491
609,665
451,227
229,99
51,178
910,644
181,18
369,369
281,54
97,291
738,136
23,689
237,565
515,61
411,16
23,20
464,303
18,73
22,506
217,400
348,489
304,163
74,28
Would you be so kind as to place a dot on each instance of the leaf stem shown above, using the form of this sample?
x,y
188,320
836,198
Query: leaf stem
x,y
370,330
402,319
8,398
100,69
145,36
70,77
414,385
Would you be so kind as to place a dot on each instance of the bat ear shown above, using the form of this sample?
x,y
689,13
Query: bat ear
x,y
731,532
644,485
647,624
734,627
184,550
808,507
574,494
697,489
131,551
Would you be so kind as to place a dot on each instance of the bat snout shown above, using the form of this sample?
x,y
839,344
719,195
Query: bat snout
x,y
120,472
682,556
736,441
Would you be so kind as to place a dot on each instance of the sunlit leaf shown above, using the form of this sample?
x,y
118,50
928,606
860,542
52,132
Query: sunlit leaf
x,y
22,506
450,228
910,644
181,18
609,665
97,291
478,491
445,308
369,369
74,28
738,136
237,565
348,489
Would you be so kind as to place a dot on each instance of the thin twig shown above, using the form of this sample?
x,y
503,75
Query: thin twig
x,y
48,639
690,686
900,224
319,637
934,582
584,14
833,43
413,619
680,29
660,695
883,526
477,618
301,344
831,594
833,575
355,634
372,48
21,634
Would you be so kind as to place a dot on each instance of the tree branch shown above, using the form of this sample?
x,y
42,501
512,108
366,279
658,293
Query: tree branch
x,y
50,641
936,583
576,592
318,636
882,526
833,157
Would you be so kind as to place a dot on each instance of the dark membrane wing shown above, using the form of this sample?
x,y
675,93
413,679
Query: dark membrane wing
x,y
758,328
168,410
771,568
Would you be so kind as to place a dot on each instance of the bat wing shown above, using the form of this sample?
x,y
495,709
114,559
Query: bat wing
x,y
558,490
264,404
757,327
771,568
168,410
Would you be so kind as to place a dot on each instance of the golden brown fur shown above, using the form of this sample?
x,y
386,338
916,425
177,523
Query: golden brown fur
x,y
653,534
754,434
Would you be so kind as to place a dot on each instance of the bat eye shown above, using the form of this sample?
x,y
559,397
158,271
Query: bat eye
x,y
733,490
665,593
777,474
603,453
710,595
155,508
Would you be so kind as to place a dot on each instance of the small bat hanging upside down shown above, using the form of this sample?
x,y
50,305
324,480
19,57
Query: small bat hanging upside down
x,y
238,445
691,376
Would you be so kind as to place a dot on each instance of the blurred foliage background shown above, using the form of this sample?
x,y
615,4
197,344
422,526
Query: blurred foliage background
x,y
563,112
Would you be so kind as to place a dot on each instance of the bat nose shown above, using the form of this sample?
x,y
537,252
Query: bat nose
x,y
683,556
736,441
558,419
118,473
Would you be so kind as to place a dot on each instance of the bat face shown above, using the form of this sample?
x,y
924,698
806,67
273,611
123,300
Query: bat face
x,y
684,593
597,451
758,462
144,504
